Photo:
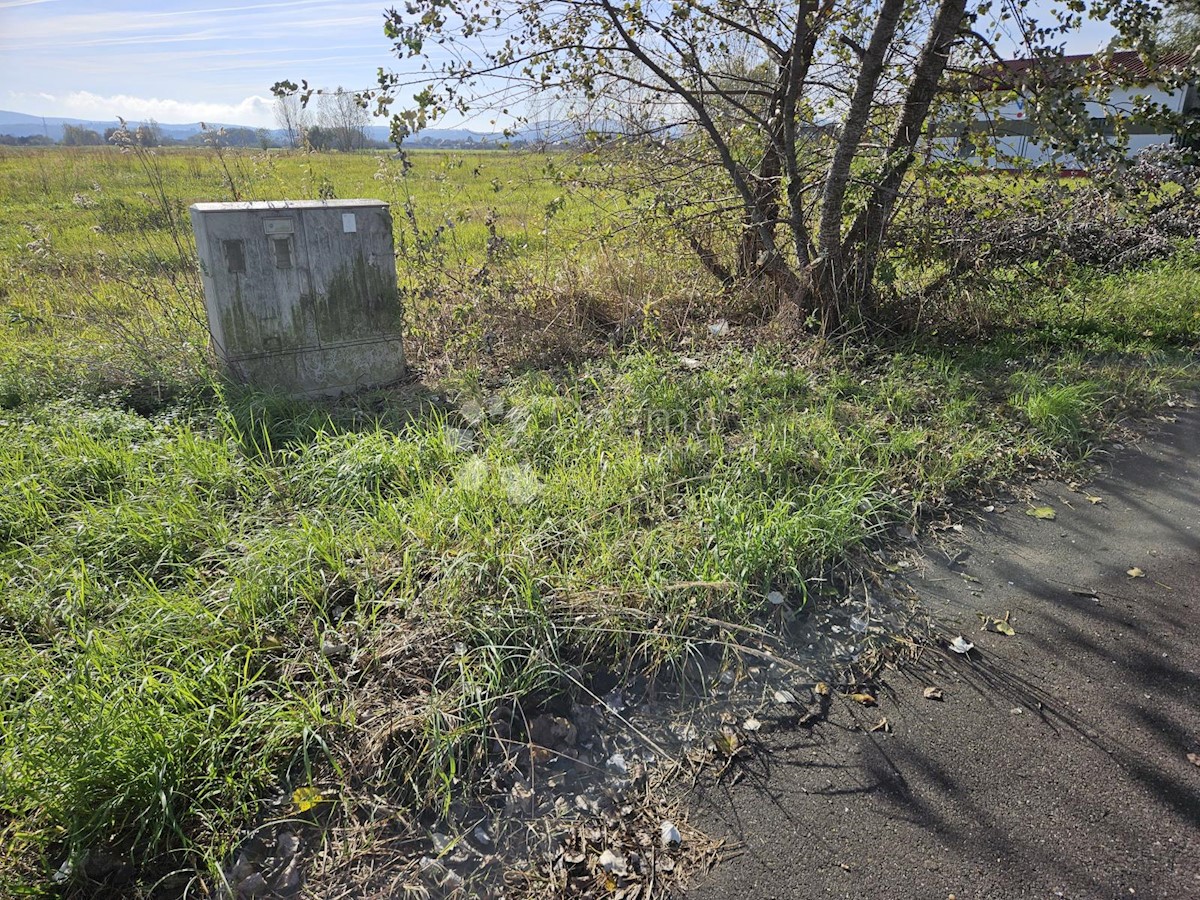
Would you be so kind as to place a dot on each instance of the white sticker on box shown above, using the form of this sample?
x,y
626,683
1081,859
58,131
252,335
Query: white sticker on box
x,y
349,226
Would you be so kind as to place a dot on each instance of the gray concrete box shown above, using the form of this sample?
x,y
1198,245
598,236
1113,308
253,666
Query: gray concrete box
x,y
301,294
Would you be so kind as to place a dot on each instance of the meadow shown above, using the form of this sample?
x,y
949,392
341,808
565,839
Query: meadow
x,y
213,598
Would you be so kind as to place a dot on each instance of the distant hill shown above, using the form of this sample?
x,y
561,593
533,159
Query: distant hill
x,y
26,125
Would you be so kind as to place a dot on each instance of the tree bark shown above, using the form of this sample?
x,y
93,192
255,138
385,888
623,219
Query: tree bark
x,y
766,211
829,236
864,241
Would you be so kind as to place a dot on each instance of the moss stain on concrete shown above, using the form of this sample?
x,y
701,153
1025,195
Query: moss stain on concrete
x,y
359,302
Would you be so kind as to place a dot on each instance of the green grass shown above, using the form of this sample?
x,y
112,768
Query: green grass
x,y
214,598
100,291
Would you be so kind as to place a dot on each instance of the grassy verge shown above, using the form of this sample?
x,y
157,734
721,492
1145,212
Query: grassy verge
x,y
213,601
202,607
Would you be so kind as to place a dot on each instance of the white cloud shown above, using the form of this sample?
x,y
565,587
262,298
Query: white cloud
x,y
253,111
249,21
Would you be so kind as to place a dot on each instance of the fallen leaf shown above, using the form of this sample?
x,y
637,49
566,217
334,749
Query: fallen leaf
x,y
1002,626
1135,572
863,698
728,742
785,697
881,725
752,724
1042,512
1091,499
614,863
932,693
670,835
1194,759
688,363
960,645
822,689
307,798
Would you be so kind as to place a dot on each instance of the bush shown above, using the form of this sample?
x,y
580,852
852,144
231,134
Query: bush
x,y
971,234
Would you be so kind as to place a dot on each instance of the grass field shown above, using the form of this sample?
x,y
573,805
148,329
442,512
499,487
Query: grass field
x,y
214,598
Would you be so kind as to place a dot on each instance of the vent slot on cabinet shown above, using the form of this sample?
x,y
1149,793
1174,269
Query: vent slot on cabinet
x,y
282,247
235,256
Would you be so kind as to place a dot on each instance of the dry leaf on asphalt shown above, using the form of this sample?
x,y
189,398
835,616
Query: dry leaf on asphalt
x,y
1042,512
822,689
881,725
961,645
1135,572
932,693
1194,759
863,698
1092,499
728,743
998,625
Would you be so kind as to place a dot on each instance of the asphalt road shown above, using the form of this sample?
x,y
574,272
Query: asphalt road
x,y
1057,763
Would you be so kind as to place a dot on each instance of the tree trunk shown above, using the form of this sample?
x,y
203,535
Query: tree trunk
x,y
829,237
759,222
836,303
864,242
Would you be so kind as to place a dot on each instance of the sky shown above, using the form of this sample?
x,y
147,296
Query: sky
x,y
181,61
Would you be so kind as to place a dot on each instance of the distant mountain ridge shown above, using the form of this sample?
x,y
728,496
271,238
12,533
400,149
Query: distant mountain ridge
x,y
26,125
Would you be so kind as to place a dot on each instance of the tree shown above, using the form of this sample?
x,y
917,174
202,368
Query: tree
x,y
79,136
344,116
292,117
29,140
148,134
1180,26
319,138
798,120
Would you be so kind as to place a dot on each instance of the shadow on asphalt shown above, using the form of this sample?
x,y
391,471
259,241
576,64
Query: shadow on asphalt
x,y
1057,764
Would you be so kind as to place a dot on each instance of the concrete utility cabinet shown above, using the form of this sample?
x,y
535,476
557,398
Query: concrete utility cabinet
x,y
301,295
